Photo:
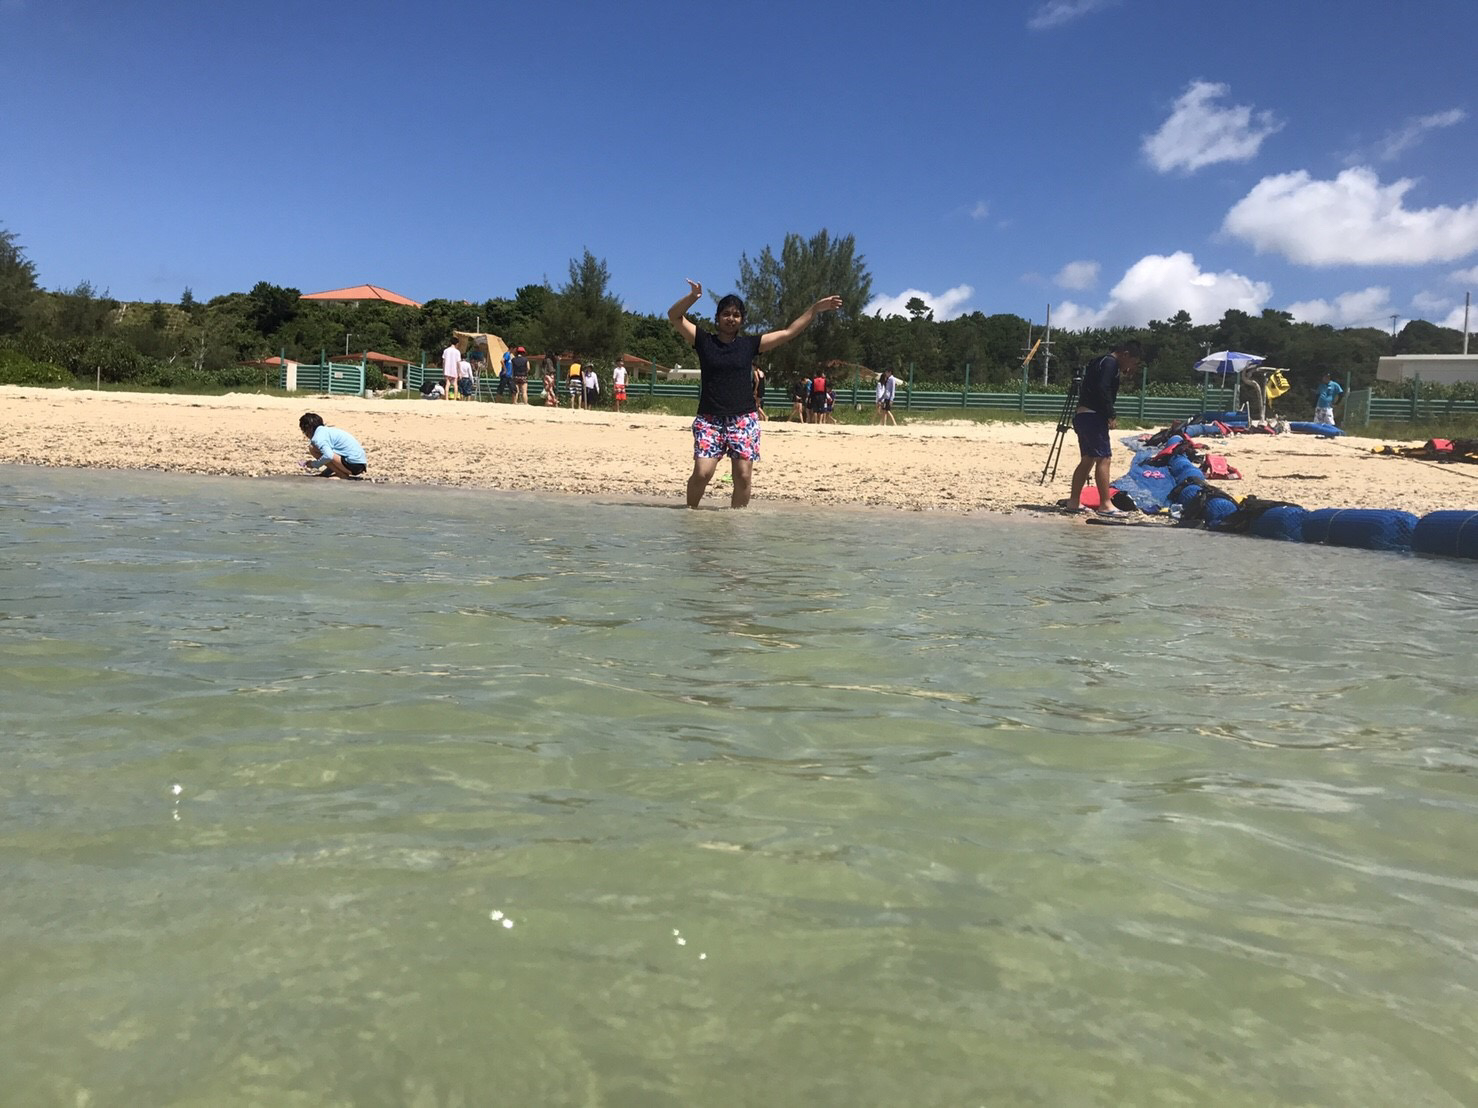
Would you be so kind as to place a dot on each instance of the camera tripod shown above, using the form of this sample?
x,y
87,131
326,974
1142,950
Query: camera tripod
x,y
1064,425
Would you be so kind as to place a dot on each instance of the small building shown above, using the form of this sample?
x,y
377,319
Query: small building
x,y
1433,369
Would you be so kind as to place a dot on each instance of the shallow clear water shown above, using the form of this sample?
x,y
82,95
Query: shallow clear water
x,y
324,794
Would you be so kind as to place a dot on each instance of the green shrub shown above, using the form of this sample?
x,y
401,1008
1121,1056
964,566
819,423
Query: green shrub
x,y
17,369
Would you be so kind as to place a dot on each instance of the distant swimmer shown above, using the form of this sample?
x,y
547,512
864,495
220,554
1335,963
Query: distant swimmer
x,y
336,452
726,424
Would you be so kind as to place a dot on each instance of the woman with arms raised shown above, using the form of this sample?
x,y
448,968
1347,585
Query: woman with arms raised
x,y
726,423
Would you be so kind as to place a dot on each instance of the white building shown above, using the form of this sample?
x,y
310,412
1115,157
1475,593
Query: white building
x,y
1433,369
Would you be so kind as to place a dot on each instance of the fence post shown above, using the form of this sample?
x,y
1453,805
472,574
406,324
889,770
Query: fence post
x,y
908,400
1021,396
965,396
1144,381
1416,396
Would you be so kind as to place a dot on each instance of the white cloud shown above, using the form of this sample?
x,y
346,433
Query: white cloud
x,y
1351,220
1200,133
1430,303
1398,142
1455,320
1466,276
1077,275
1364,308
980,210
946,305
1056,13
1157,286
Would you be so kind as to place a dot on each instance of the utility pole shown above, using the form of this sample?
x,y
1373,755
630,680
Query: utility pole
x,y
1467,303
1047,347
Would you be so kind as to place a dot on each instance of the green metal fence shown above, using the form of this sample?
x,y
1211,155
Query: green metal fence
x,y
1040,405
1362,407
328,378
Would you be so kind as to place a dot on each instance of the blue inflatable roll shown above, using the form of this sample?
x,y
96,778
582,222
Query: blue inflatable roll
x,y
1365,528
1284,522
1305,428
1218,510
1180,467
1228,418
1454,534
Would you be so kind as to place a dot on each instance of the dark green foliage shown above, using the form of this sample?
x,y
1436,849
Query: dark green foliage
x,y
778,290
584,318
18,369
17,283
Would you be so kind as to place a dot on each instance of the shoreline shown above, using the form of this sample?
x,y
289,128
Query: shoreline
x,y
955,466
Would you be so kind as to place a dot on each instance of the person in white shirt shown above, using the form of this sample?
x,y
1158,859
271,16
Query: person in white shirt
x,y
887,386
592,385
451,367
618,383
465,384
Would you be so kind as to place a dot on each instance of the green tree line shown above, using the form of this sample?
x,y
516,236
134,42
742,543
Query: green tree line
x,y
64,335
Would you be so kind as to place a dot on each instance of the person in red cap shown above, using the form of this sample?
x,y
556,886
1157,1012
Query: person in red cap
x,y
520,377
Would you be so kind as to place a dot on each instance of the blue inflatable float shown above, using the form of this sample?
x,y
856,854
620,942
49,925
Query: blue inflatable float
x,y
1365,528
1329,430
1454,534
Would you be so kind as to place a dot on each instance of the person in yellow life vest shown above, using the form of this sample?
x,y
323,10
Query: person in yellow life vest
x,y
576,386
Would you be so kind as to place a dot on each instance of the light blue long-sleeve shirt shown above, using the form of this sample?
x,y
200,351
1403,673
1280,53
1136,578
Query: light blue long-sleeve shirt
x,y
331,440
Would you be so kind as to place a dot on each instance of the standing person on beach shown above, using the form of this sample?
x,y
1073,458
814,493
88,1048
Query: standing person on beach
x,y
551,384
1330,392
576,386
1093,421
887,389
759,391
618,382
520,376
591,383
798,401
466,383
726,423
451,367
337,452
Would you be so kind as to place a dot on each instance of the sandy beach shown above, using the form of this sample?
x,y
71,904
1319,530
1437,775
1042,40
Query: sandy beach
x,y
924,465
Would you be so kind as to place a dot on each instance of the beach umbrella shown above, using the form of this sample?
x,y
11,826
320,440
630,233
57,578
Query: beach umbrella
x,y
1228,361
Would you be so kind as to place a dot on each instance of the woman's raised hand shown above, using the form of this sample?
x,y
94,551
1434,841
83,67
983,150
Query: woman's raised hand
x,y
696,289
828,304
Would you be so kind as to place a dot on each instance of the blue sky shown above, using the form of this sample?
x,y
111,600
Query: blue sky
x,y
1118,159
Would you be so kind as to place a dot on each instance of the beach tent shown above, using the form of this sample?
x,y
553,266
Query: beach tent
x,y
357,294
491,345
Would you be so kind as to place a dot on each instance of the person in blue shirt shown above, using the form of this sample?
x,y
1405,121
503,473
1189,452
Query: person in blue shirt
x,y
337,452
1329,395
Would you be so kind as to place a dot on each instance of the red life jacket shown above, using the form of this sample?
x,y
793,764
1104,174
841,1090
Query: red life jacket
x,y
818,386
